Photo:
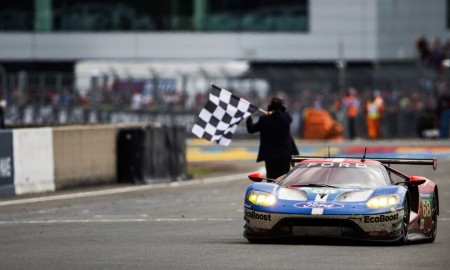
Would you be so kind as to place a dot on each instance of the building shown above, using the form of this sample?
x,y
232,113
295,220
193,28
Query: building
x,y
291,43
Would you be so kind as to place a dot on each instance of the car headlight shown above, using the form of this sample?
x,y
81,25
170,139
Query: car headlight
x,y
383,201
261,198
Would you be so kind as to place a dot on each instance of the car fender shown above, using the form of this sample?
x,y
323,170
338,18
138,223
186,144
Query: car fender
x,y
401,191
428,193
265,187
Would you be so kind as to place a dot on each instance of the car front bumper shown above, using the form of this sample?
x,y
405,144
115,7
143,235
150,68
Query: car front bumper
x,y
383,227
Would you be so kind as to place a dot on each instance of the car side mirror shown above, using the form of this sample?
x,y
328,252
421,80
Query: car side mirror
x,y
417,180
256,177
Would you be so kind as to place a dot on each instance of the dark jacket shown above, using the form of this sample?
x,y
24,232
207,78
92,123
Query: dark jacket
x,y
442,104
276,141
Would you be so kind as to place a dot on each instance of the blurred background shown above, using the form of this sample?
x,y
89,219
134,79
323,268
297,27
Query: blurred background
x,y
104,61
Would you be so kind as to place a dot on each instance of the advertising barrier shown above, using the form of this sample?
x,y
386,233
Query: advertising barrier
x,y
130,155
6,163
177,160
151,154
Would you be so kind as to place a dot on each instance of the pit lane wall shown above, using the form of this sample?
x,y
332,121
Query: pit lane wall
x,y
38,160
84,155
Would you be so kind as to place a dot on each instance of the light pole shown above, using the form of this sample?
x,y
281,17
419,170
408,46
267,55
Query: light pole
x,y
341,65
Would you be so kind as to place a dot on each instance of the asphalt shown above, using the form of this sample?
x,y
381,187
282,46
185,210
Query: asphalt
x,y
195,224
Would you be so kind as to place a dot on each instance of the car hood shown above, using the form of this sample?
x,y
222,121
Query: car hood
x,y
332,200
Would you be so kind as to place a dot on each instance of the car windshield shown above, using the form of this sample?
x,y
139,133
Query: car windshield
x,y
335,175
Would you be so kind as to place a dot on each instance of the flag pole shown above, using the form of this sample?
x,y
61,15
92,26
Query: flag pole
x,y
263,111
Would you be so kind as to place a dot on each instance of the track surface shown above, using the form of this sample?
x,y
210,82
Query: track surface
x,y
193,225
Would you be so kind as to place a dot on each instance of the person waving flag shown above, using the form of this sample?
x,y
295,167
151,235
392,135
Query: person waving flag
x,y
220,117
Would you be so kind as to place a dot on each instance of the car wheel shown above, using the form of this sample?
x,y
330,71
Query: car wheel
x,y
257,240
434,220
405,224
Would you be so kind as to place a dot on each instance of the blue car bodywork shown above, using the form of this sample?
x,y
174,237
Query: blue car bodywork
x,y
315,203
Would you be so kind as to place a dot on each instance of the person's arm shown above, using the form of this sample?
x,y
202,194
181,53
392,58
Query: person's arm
x,y
251,127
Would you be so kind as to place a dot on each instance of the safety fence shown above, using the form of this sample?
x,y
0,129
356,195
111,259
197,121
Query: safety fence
x,y
33,115
400,124
36,160
57,98
396,124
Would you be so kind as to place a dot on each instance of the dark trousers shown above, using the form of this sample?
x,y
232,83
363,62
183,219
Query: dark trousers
x,y
444,124
2,118
351,127
276,168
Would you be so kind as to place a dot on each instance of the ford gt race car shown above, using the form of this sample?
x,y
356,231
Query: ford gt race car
x,y
343,197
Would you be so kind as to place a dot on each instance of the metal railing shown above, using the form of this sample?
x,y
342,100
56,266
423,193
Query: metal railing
x,y
37,98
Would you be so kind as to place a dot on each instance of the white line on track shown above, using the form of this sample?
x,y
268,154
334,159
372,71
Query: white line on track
x,y
129,220
219,179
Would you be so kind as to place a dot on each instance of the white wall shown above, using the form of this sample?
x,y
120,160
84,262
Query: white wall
x,y
33,160
369,30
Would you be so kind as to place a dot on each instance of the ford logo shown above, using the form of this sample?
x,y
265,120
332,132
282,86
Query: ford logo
x,y
325,205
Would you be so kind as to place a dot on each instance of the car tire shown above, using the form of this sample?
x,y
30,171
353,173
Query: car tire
x,y
405,224
434,218
257,240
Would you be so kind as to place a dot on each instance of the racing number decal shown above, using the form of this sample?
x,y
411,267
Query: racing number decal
x,y
426,208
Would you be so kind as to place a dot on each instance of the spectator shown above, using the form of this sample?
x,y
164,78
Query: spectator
x,y
136,101
423,50
65,98
436,56
374,114
378,98
2,108
446,49
443,114
351,106
276,143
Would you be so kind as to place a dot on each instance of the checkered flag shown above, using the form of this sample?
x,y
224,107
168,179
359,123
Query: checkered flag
x,y
220,117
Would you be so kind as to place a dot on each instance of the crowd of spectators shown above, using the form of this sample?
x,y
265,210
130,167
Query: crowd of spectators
x,y
427,106
432,54
434,60
422,105
430,104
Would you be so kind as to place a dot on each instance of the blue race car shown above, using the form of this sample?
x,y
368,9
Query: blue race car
x,y
343,197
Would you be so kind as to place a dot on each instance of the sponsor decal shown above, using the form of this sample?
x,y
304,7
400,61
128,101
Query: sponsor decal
x,y
426,208
5,167
336,165
254,215
380,218
323,191
325,205
426,195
